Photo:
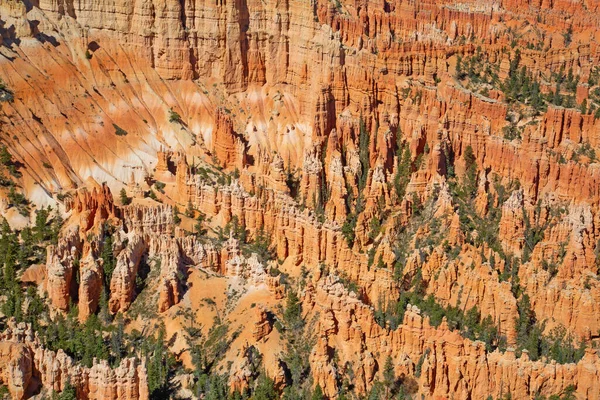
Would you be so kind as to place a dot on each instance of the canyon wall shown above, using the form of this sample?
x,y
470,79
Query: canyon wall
x,y
293,118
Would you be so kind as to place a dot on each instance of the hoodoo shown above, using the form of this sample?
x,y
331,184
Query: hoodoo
x,y
325,199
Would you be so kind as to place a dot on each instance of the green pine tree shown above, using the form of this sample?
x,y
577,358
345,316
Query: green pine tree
x,y
125,200
389,377
318,393
265,388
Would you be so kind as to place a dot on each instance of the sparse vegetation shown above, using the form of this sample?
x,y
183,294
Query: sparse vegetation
x,y
160,186
6,95
18,200
150,194
558,345
521,87
108,256
174,117
119,131
423,223
125,200
404,169
349,226
176,217
261,246
199,226
470,324
190,212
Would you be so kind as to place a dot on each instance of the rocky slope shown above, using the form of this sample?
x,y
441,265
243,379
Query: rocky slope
x,y
383,151
26,365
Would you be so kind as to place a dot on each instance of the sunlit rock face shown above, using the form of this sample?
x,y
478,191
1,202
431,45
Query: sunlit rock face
x,y
350,152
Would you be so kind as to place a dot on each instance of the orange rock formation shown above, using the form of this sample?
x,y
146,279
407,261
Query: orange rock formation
x,y
295,120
